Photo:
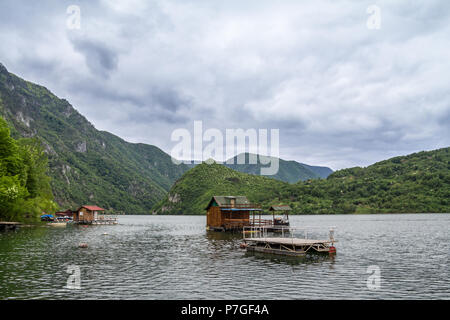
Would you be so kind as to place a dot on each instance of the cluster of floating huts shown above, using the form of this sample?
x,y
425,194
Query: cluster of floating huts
x,y
274,236
86,214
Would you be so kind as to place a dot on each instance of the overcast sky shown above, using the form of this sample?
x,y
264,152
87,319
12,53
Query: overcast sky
x,y
340,93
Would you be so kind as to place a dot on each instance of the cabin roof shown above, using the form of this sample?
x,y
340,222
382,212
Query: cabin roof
x,y
92,208
280,207
64,213
226,200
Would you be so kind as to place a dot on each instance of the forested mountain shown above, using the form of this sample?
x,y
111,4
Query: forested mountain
x,y
87,166
419,182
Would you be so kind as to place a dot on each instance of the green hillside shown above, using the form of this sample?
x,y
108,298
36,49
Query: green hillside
x,y
419,182
289,171
87,166
194,189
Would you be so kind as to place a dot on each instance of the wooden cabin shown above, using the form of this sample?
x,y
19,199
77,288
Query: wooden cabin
x,y
87,214
280,210
224,213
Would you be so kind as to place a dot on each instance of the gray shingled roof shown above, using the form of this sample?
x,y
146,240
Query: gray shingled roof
x,y
226,200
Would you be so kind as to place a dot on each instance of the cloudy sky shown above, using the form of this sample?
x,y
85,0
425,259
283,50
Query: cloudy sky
x,y
341,93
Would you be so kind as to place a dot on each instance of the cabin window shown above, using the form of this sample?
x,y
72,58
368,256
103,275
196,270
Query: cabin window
x,y
233,202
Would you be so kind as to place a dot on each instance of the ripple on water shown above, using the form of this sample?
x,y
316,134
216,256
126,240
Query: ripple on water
x,y
167,257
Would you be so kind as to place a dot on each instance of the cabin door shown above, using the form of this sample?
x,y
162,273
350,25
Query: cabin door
x,y
95,215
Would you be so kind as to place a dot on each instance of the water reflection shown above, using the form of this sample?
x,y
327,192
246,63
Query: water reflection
x,y
290,260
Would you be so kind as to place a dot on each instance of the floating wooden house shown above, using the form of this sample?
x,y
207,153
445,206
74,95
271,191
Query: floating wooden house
x,y
92,215
227,213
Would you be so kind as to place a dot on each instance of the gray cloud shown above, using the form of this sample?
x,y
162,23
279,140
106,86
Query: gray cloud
x,y
341,94
99,58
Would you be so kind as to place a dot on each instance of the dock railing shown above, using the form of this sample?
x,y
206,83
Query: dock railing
x,y
261,222
108,217
251,232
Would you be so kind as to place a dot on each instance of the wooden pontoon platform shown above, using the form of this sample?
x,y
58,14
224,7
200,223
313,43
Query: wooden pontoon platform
x,y
286,246
258,241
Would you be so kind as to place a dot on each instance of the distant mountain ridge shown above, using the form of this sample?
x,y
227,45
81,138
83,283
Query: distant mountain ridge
x,y
288,171
87,166
321,171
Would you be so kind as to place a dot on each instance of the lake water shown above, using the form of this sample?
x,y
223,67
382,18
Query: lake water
x,y
173,257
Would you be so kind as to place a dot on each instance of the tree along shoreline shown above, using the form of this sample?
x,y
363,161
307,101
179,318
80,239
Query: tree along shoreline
x,y
25,190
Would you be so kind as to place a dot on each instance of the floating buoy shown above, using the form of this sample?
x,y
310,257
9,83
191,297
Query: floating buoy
x,y
332,249
243,245
105,233
83,245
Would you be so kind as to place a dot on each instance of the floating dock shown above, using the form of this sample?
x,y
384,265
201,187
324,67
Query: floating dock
x,y
257,240
105,221
5,225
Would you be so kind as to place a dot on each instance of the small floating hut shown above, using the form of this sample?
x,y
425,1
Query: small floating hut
x,y
232,213
92,215
282,210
